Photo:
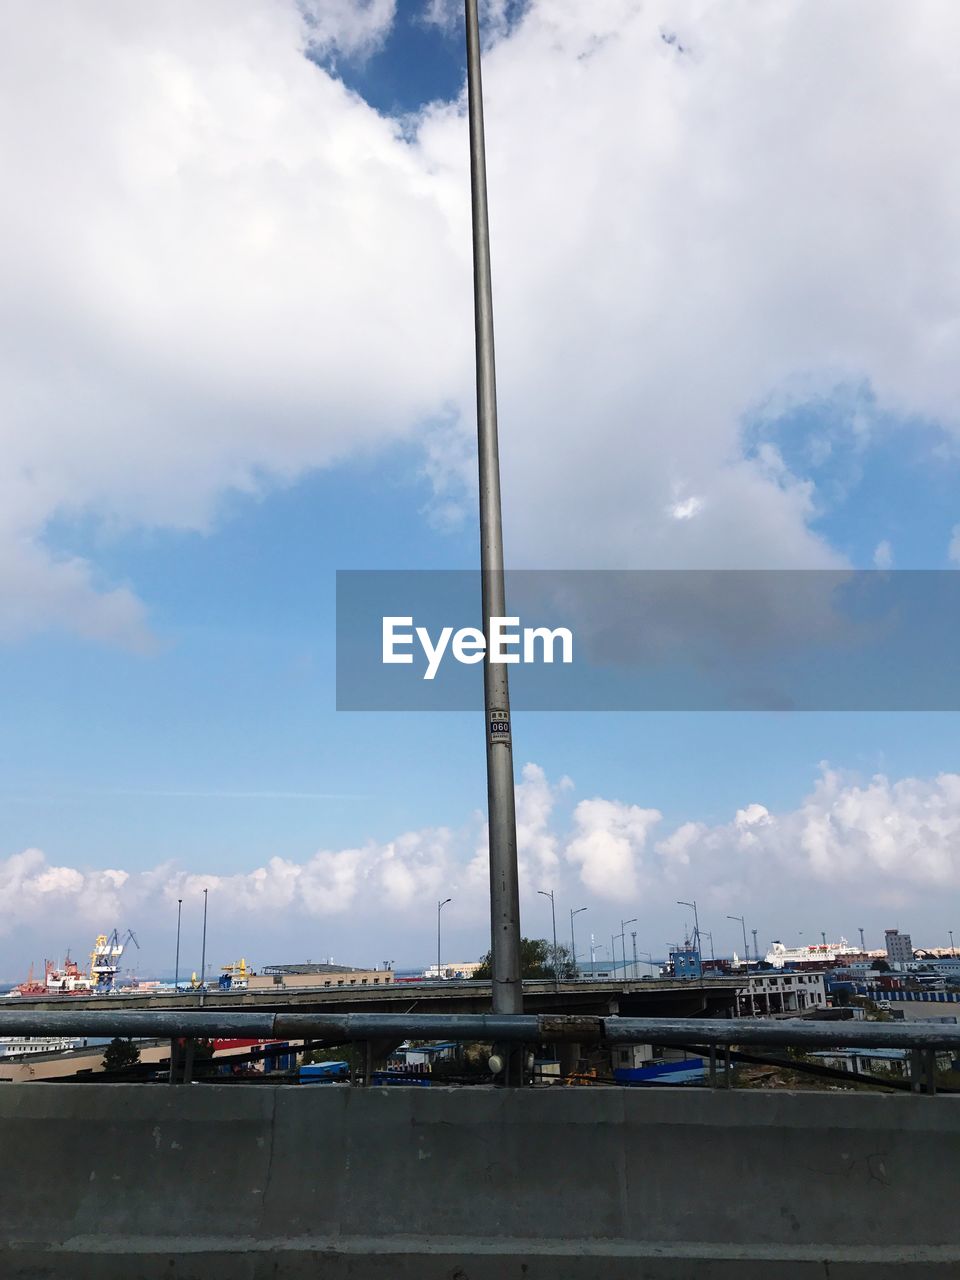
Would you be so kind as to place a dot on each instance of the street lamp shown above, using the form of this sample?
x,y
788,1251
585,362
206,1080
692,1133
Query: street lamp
x,y
440,906
176,964
573,940
952,951
696,924
203,949
709,934
623,945
545,893
746,949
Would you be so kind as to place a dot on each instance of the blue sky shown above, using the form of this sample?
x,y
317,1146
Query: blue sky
x,y
190,726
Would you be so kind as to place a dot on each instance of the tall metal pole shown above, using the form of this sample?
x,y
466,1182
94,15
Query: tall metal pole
x,y
556,955
696,924
746,949
863,945
203,949
573,939
952,949
440,906
633,935
176,965
501,804
756,953
622,935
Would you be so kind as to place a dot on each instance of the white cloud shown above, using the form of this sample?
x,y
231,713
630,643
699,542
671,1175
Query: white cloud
x,y
608,845
850,850
883,555
221,269
353,27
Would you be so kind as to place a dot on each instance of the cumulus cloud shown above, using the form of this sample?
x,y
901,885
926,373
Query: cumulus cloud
x,y
608,845
222,269
851,846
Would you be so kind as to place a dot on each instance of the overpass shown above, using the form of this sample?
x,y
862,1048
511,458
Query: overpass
x,y
710,997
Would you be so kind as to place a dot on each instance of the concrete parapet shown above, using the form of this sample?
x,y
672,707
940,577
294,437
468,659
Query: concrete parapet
x,y
252,1181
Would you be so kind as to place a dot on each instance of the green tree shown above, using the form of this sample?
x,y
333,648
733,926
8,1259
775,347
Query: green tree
x,y
120,1054
536,960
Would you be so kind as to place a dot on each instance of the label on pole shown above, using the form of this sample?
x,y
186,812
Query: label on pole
x,y
500,726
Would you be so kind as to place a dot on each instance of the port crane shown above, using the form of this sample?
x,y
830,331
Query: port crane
x,y
105,958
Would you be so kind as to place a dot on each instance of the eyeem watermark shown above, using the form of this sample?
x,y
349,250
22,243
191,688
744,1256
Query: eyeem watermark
x,y
508,643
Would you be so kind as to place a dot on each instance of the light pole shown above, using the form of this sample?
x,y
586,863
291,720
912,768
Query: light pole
x,y
176,963
706,934
573,940
203,948
507,986
548,893
440,906
622,935
756,953
746,949
863,945
633,936
952,951
696,924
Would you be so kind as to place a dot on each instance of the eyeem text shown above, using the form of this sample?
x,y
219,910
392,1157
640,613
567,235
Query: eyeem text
x,y
508,643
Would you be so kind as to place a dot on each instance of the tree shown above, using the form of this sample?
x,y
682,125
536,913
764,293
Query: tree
x,y
881,966
535,960
120,1054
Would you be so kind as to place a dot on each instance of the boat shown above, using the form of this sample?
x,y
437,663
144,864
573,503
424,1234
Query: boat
x,y
63,979
815,953
23,1046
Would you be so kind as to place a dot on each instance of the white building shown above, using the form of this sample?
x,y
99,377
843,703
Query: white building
x,y
771,993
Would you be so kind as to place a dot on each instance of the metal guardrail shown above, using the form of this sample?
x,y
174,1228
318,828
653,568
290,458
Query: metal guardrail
x,y
343,1028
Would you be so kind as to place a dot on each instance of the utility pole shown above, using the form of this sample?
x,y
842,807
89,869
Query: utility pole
x,y
633,935
176,965
544,893
573,940
501,801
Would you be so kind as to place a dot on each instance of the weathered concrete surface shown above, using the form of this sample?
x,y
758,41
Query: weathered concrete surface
x,y
250,1182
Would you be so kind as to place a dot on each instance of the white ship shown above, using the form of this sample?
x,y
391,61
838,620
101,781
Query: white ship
x,y
22,1046
779,955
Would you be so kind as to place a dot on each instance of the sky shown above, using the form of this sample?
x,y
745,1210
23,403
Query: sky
x,y
236,355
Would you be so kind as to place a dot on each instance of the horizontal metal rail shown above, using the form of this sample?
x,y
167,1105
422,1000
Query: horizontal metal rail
x,y
342,1028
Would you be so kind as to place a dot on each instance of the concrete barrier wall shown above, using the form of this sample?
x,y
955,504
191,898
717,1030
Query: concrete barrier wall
x,y
250,1182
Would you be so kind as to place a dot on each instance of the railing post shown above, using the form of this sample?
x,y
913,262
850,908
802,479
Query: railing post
x,y
916,1071
930,1056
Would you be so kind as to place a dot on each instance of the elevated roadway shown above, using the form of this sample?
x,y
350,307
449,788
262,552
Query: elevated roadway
x,y
712,997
